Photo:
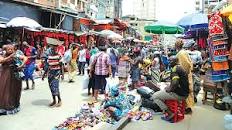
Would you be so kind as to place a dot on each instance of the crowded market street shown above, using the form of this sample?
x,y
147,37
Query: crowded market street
x,y
116,65
35,115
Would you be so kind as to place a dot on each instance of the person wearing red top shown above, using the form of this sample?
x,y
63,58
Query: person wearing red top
x,y
61,51
87,55
31,54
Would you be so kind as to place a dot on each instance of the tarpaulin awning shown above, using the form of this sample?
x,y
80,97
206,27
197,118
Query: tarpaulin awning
x,y
86,21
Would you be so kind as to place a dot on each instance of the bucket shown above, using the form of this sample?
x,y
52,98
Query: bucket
x,y
228,122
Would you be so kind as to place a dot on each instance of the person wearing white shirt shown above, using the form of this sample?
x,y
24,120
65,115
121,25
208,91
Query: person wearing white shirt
x,y
82,61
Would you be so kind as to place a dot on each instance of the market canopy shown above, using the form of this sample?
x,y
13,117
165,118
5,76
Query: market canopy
x,y
163,28
194,21
23,22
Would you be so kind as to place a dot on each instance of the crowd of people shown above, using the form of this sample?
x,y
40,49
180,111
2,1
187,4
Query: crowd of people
x,y
148,66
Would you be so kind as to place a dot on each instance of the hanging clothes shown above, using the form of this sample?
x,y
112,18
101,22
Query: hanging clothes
x,y
216,25
218,46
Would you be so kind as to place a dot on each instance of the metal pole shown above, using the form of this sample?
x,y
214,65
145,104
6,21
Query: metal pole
x,y
50,19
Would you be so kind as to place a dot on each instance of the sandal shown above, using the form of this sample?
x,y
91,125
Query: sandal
x,y
33,86
146,116
59,104
52,105
168,119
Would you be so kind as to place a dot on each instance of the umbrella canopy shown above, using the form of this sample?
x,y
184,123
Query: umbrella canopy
x,y
194,21
2,25
115,36
163,28
3,20
107,32
23,22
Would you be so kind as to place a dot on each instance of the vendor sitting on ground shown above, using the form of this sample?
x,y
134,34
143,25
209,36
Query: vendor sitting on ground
x,y
178,89
117,104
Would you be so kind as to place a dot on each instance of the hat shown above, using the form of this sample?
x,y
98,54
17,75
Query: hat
x,y
52,41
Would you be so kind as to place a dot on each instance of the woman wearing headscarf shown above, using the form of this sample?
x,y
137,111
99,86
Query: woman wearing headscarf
x,y
11,80
185,61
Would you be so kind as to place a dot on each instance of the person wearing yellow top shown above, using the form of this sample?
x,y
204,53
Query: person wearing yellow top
x,y
186,63
73,63
146,63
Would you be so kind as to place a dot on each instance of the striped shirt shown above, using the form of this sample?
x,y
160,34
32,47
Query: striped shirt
x,y
54,62
102,63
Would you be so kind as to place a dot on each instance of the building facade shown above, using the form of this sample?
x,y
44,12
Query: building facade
x,y
206,6
144,9
59,14
137,24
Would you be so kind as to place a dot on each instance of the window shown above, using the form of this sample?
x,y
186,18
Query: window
x,y
72,1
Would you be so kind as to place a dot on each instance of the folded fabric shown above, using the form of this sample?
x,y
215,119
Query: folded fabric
x,y
219,42
219,78
217,66
220,58
230,56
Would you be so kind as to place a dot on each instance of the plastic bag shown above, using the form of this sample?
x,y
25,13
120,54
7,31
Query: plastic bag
x,y
67,56
129,80
111,82
85,82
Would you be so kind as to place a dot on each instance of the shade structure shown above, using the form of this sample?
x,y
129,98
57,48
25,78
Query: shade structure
x,y
194,21
23,22
163,28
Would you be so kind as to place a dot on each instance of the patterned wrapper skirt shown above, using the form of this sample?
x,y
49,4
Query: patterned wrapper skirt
x,y
53,80
29,70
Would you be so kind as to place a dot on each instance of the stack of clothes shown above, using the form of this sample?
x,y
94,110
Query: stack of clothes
x,y
218,48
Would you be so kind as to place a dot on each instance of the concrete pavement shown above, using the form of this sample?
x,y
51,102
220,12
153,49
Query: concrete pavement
x,y
36,115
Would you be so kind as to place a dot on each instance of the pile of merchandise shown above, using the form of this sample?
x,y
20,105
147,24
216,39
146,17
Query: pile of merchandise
x,y
89,116
143,114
